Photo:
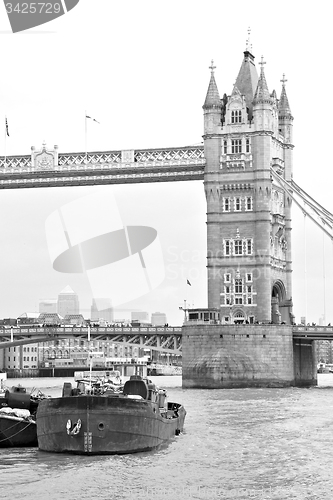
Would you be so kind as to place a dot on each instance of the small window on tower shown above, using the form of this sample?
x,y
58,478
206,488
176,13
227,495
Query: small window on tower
x,y
247,145
236,146
249,249
238,286
225,147
227,247
249,203
238,247
226,204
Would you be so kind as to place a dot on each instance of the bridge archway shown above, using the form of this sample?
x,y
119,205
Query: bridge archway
x,y
277,303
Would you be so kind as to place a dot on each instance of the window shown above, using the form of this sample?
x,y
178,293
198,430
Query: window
x,y
249,289
248,277
249,300
238,300
236,146
227,289
225,147
249,249
226,204
247,147
238,286
238,205
249,204
227,278
227,249
238,247
236,116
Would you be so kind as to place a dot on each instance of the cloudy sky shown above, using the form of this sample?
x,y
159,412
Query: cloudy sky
x,y
141,69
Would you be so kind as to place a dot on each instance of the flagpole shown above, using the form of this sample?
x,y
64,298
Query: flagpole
x,y
5,140
85,126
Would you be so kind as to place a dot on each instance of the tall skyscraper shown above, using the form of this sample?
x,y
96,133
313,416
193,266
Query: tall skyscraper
x,y
68,302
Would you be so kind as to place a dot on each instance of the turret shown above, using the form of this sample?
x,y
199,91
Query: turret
x,y
285,116
263,103
212,106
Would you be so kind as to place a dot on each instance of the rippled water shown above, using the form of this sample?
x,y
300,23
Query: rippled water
x,y
238,443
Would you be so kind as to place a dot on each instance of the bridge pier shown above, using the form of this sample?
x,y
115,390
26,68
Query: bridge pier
x,y
305,365
235,356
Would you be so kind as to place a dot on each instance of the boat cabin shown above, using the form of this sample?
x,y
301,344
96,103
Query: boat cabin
x,y
138,387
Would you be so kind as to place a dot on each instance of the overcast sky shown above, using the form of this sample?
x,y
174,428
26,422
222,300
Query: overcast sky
x,y
141,69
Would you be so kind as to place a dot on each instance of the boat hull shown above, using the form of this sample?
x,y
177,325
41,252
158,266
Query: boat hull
x,y
15,432
107,425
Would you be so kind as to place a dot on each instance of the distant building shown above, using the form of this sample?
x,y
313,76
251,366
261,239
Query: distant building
x,y
68,302
21,357
158,319
50,319
28,318
74,319
140,316
324,351
101,309
48,306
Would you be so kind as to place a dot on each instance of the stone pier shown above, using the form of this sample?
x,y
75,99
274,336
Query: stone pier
x,y
234,356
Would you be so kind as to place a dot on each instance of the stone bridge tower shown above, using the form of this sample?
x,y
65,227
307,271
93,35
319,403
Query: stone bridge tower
x,y
246,135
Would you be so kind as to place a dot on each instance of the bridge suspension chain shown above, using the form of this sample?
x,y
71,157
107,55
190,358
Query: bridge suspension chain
x,y
325,217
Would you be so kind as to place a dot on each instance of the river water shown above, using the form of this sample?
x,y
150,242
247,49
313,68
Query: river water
x,y
238,443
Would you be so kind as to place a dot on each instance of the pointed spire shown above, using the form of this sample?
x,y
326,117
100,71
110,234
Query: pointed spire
x,y
212,97
262,92
247,78
284,108
235,91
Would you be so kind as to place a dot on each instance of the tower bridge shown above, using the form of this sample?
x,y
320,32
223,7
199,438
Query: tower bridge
x,y
48,168
246,164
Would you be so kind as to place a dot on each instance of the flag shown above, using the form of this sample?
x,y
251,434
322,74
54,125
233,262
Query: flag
x,y
93,119
188,283
7,127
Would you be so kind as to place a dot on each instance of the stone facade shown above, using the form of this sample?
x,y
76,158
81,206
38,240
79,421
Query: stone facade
x,y
248,150
247,135
221,356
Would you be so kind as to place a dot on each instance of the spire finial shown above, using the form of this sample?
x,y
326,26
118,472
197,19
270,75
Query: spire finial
x,y
212,67
283,79
248,44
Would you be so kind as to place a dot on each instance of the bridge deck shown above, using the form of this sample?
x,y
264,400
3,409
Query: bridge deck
x,y
103,167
